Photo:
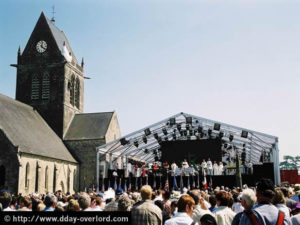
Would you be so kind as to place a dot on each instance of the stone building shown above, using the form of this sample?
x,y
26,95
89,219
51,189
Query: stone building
x,y
47,143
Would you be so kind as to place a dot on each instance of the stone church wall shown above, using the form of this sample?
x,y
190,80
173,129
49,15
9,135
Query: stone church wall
x,y
65,173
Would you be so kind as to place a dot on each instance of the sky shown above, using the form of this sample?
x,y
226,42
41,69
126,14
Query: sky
x,y
237,62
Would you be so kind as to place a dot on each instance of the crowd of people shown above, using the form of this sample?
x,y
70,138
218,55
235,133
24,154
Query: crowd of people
x,y
264,204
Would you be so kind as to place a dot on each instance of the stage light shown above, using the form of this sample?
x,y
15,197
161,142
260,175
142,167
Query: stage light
x,y
145,139
221,134
166,139
244,145
187,127
197,121
156,158
146,151
164,130
155,136
230,137
172,121
182,133
178,127
136,144
200,129
189,119
225,145
185,132
217,126
147,132
174,131
209,132
159,140
123,141
174,137
195,132
244,134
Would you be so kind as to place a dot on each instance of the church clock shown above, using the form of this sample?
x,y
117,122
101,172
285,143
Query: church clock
x,y
41,46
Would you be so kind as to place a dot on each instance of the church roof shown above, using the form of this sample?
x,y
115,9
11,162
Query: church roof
x,y
88,126
59,36
25,128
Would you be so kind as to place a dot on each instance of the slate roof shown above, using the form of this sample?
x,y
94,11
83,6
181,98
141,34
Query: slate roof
x,y
59,36
26,129
88,126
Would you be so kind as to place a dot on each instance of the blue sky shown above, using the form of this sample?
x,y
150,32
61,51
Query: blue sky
x,y
231,61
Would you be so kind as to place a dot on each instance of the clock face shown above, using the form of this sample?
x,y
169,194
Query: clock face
x,y
41,46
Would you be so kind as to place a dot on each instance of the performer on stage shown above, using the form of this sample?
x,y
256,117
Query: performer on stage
x,y
215,168
185,164
136,170
155,168
204,166
173,168
209,167
143,170
220,168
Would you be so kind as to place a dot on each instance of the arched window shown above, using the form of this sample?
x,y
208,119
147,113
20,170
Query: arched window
x,y
2,176
72,91
74,179
27,173
37,177
46,87
77,93
46,178
54,178
68,180
35,87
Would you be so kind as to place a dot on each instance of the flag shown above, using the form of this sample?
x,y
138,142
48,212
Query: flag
x,y
115,184
167,185
136,183
175,187
193,184
129,183
204,180
188,183
198,181
160,185
103,185
125,187
154,182
210,182
181,184
108,184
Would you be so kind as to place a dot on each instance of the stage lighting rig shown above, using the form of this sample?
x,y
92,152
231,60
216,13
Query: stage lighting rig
x,y
155,136
189,120
147,132
200,129
209,132
178,127
164,130
172,121
123,141
136,144
230,137
221,134
145,139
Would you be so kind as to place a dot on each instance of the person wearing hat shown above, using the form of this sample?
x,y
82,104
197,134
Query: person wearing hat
x,y
264,212
296,214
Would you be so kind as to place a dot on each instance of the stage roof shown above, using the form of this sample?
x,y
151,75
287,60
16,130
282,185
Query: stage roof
x,y
144,143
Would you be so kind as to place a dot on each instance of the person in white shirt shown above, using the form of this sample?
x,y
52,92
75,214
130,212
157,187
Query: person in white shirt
x,y
185,164
204,167
209,167
173,168
184,214
223,214
216,168
200,207
220,168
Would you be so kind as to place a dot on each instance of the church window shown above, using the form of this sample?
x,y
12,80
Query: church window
x,y
27,173
2,176
68,180
35,87
77,93
46,86
46,178
37,177
72,87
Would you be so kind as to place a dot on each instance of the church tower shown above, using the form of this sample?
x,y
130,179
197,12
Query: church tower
x,y
49,77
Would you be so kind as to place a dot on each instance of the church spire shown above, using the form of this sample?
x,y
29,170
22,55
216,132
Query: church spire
x,y
19,54
82,62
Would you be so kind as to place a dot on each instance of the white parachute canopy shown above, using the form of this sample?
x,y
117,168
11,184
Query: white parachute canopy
x,y
66,53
